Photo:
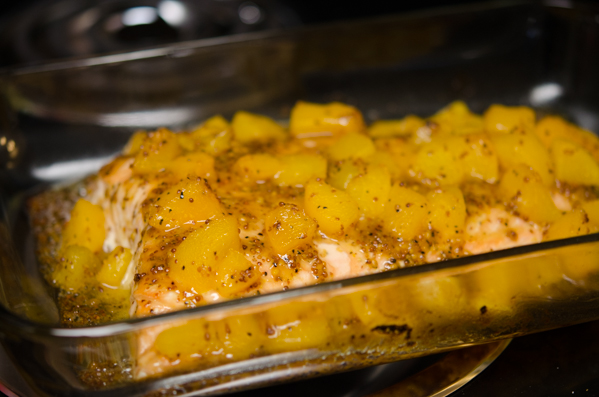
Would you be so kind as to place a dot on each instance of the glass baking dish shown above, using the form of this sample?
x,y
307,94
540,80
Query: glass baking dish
x,y
61,121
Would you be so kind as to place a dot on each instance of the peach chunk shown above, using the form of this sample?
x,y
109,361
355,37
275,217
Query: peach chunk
x,y
573,164
456,118
297,169
592,210
257,167
333,119
447,212
527,193
550,128
236,336
77,264
342,172
480,161
571,224
406,213
392,128
186,203
86,227
213,136
114,267
236,273
249,127
194,264
507,119
371,190
397,153
333,209
300,325
193,165
288,227
448,160
135,142
520,148
439,160
351,146
156,151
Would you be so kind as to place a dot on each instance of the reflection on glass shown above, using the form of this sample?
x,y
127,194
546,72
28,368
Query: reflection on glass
x,y
250,13
545,93
139,16
173,12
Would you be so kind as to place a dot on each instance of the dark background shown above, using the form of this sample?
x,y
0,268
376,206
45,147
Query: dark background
x,y
31,22
311,11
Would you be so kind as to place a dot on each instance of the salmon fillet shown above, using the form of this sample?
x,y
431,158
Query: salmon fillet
x,y
488,227
325,204
126,188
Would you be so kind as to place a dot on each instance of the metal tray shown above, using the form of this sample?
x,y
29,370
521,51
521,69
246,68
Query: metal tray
x,y
60,121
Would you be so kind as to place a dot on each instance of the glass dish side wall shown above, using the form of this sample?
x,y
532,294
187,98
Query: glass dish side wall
x,y
321,329
375,322
388,68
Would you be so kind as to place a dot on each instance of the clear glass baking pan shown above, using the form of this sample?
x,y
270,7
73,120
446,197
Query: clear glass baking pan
x,y
61,121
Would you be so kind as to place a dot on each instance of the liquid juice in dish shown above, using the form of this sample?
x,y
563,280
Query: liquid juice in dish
x,y
248,207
